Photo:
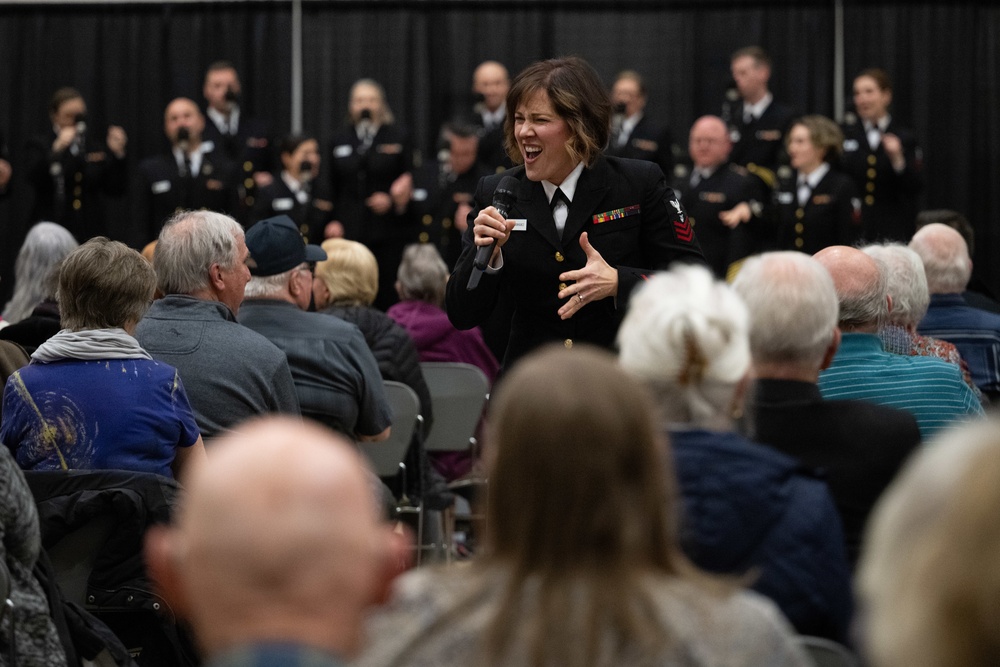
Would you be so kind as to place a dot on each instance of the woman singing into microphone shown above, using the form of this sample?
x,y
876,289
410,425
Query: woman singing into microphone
x,y
583,230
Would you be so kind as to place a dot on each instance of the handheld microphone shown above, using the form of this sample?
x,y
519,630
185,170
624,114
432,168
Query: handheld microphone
x,y
503,199
81,123
365,125
183,138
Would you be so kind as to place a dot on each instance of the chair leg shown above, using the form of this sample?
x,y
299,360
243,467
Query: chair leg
x,y
448,532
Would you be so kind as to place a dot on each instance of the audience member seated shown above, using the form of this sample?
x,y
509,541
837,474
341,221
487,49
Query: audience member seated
x,y
977,293
92,398
793,336
32,314
747,508
276,551
335,375
931,389
420,284
581,562
975,332
907,285
928,580
35,636
231,373
345,286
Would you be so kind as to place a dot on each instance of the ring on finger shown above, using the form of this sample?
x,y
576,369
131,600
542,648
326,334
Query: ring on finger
x,y
580,297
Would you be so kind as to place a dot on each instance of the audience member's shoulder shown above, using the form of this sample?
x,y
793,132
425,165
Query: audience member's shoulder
x,y
739,627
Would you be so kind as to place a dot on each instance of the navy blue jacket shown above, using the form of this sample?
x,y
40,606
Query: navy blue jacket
x,y
748,509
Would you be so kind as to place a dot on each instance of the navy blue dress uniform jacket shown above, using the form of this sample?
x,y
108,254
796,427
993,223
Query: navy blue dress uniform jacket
x,y
277,198
648,231
759,145
888,199
162,191
726,187
250,150
69,189
831,215
647,141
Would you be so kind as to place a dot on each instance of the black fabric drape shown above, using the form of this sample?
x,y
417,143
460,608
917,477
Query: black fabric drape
x,y
129,60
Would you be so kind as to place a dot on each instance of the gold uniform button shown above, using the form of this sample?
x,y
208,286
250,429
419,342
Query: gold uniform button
x,y
870,187
77,191
871,173
559,257
424,237
427,219
446,223
800,213
799,242
78,176
562,286
871,160
248,166
869,200
692,221
799,227
248,183
77,204
304,230
568,343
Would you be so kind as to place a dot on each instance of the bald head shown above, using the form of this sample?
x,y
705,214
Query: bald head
x,y
492,81
861,287
945,256
709,143
278,538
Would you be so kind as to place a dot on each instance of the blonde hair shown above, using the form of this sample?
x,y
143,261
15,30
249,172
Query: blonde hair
x,y
929,578
350,273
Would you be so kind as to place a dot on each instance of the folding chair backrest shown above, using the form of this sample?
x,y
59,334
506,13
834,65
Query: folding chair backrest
x,y
386,456
458,395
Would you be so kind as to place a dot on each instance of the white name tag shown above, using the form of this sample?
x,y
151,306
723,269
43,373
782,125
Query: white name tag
x,y
160,187
786,198
520,224
850,145
420,194
283,204
343,150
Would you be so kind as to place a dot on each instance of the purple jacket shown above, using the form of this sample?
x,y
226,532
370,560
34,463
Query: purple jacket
x,y
438,340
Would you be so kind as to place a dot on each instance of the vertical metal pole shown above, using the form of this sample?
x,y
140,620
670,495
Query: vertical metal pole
x,y
297,66
838,60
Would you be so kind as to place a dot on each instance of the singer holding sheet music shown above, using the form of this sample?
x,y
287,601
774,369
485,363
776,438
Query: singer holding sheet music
x,y
569,268
73,166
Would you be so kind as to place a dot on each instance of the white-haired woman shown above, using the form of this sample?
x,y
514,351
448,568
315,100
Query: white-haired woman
x,y
32,307
747,508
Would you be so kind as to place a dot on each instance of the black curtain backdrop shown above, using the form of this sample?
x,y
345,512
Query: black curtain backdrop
x,y
129,60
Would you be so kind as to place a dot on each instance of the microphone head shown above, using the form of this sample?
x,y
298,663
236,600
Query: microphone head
x,y
306,166
620,108
183,135
81,123
505,195
366,114
232,95
732,92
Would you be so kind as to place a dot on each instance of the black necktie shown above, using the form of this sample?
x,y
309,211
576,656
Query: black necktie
x,y
559,196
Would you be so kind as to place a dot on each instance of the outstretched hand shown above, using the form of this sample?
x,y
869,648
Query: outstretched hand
x,y
595,281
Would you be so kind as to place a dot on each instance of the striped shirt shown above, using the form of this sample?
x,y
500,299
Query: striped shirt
x,y
931,389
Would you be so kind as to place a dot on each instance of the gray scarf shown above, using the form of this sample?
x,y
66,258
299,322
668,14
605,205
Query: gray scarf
x,y
89,344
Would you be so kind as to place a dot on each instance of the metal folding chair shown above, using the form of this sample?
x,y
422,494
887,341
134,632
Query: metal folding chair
x,y
459,393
